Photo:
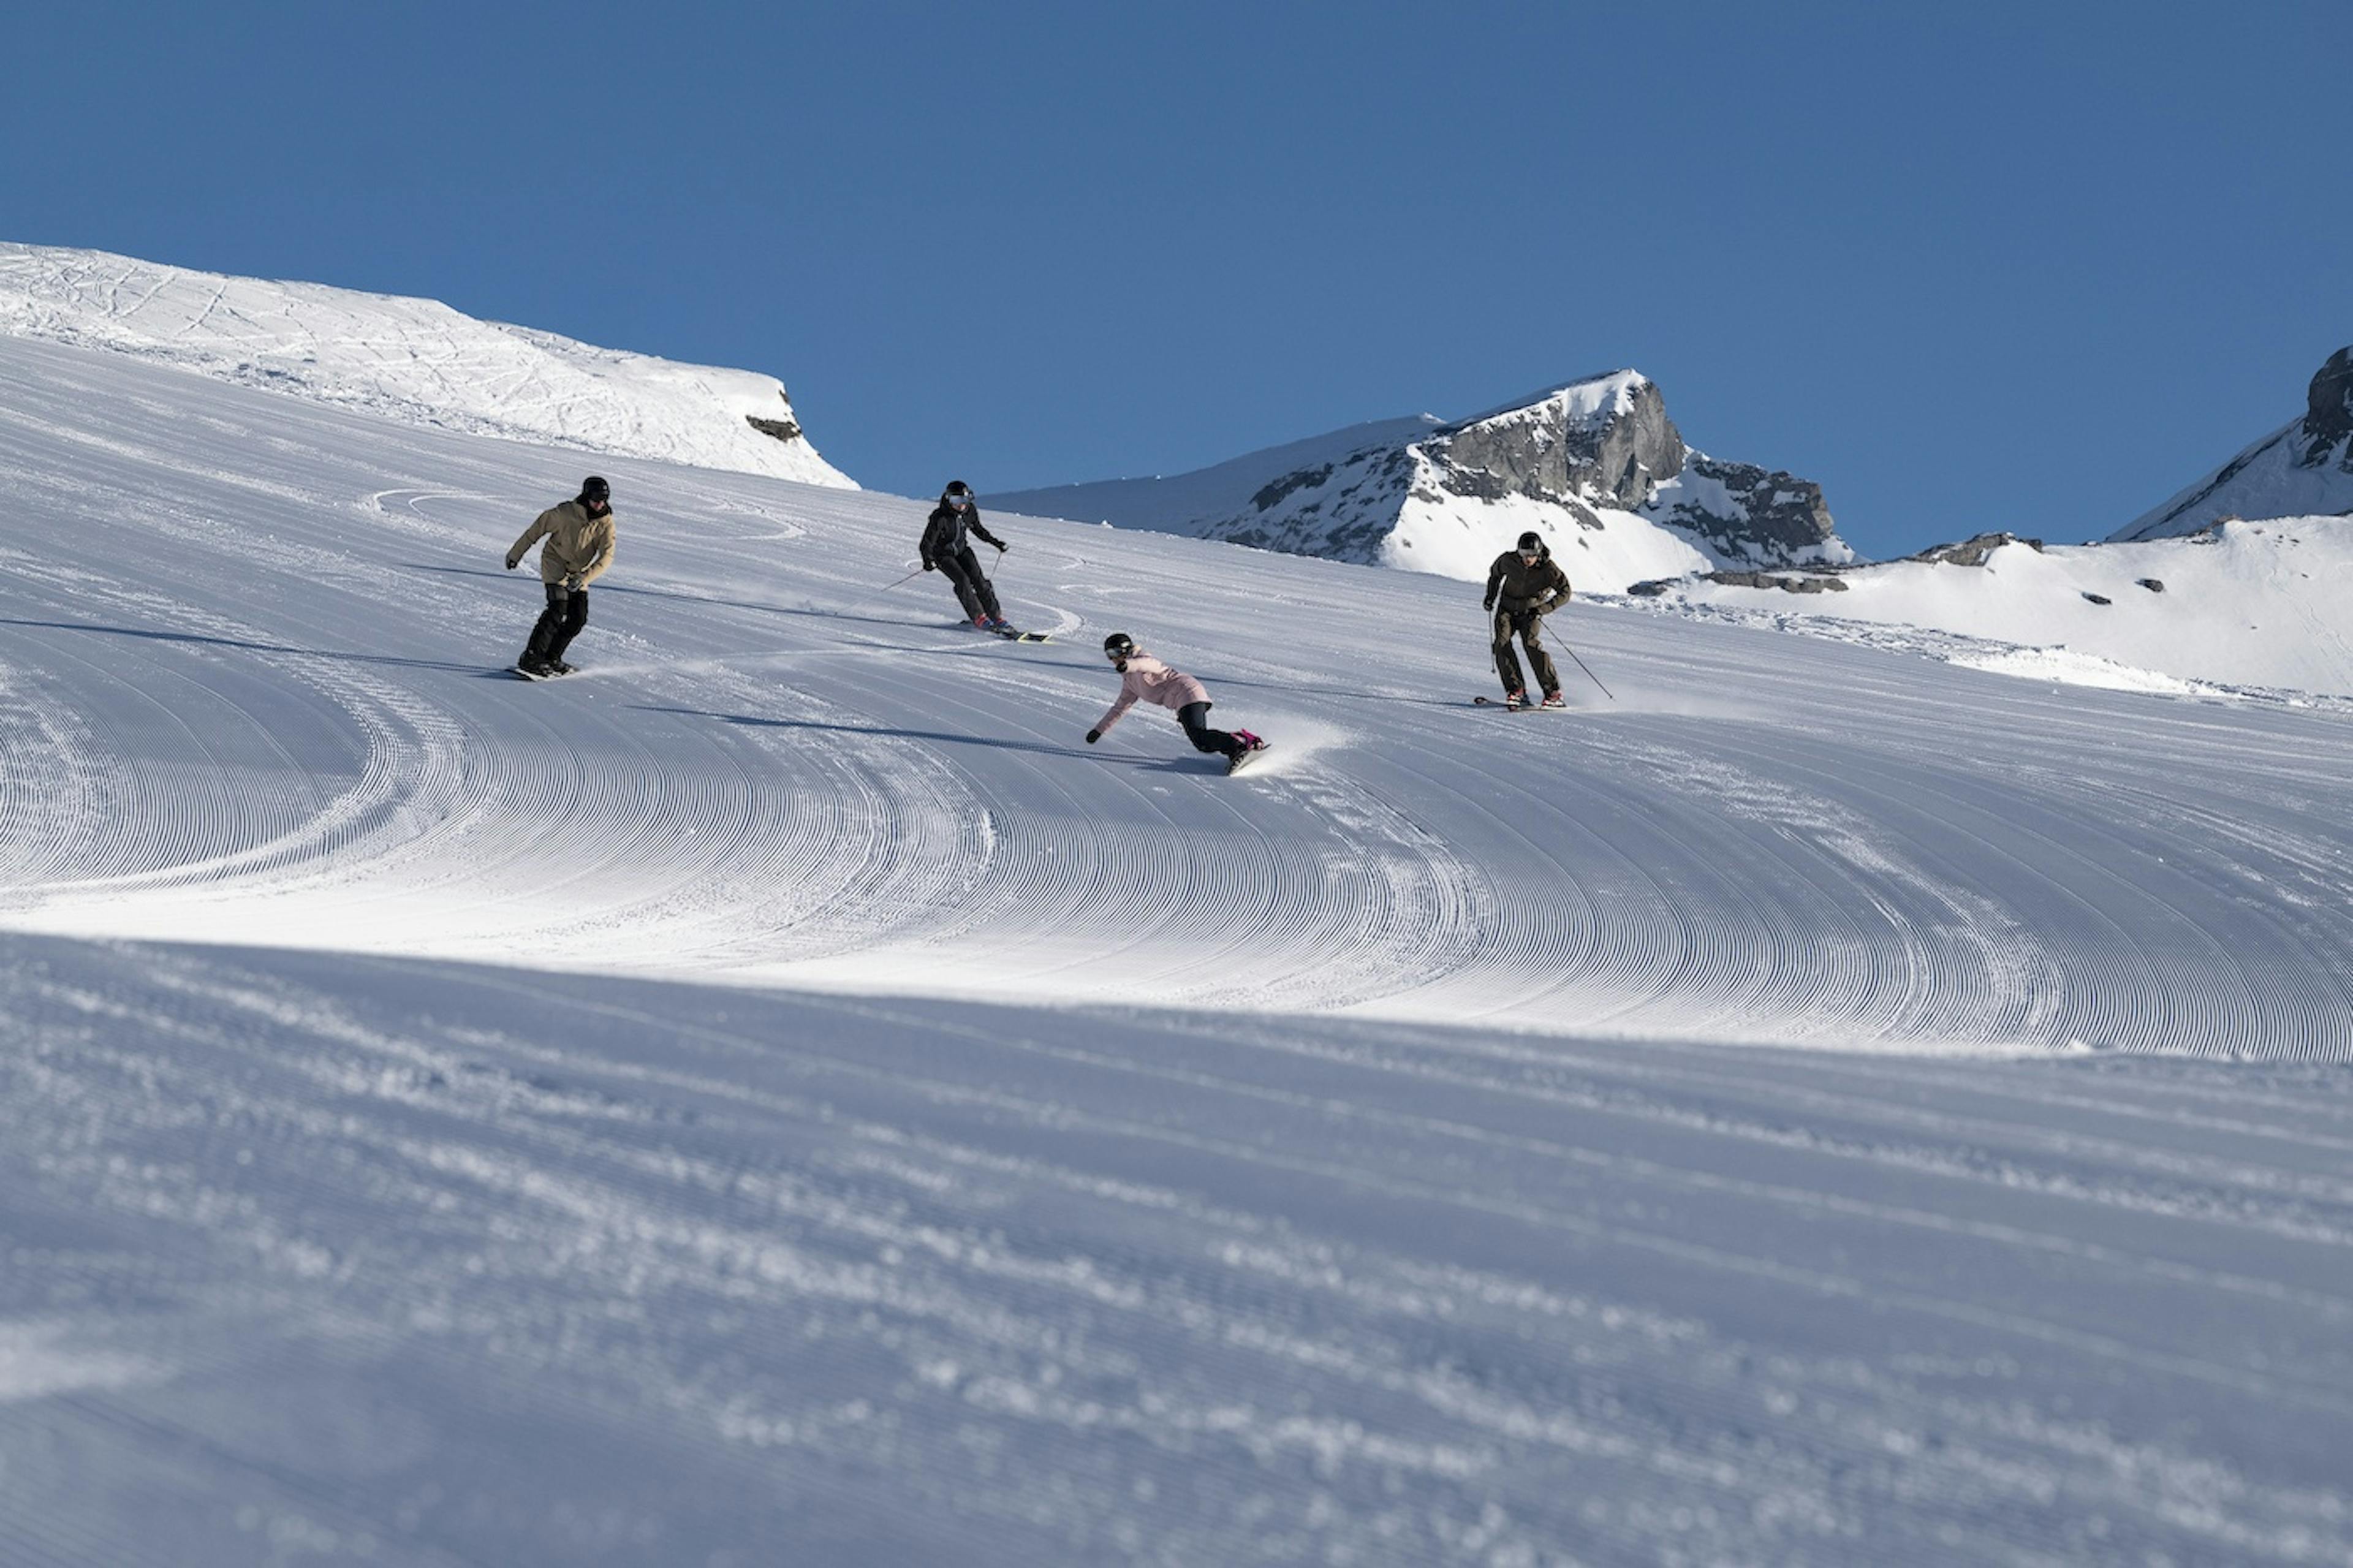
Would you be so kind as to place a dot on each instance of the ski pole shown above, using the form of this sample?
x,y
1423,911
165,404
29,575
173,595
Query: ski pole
x,y
1588,673
862,603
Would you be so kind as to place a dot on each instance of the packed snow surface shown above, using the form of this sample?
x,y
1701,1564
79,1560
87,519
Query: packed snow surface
x,y
415,360
780,1096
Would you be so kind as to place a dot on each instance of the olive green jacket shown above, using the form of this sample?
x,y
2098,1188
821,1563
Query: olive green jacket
x,y
577,542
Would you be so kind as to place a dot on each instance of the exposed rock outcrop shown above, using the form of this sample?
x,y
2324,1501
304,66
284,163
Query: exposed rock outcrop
x,y
1763,513
1975,551
2329,404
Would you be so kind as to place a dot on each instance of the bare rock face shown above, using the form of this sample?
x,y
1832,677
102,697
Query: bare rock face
x,y
1767,515
1546,452
1974,552
1658,587
2328,418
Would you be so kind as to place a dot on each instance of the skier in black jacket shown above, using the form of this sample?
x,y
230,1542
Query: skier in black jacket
x,y
945,549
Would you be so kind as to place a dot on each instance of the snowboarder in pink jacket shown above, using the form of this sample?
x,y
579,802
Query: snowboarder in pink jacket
x,y
1143,678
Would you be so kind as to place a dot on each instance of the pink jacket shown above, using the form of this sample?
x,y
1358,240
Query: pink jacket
x,y
1149,680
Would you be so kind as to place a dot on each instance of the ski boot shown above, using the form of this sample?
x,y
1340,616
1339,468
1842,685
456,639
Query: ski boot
x,y
1553,699
1515,699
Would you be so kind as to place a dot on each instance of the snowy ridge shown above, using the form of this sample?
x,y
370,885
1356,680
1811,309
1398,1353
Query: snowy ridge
x,y
2251,604
781,1094
2301,469
1595,465
414,359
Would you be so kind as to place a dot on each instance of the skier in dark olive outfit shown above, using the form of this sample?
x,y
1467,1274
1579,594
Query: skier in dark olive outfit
x,y
1523,586
579,534
945,549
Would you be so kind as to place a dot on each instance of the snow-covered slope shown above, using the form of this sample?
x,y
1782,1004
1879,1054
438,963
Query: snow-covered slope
x,y
1595,465
415,360
2302,470
780,1095
2244,603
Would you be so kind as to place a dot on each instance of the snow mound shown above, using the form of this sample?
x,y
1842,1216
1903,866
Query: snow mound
x,y
2244,604
417,361
2065,667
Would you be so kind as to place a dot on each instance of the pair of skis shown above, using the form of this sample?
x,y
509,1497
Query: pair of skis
x,y
1510,707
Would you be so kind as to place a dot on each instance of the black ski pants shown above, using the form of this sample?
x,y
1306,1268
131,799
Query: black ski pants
x,y
971,589
1195,717
566,613
1529,627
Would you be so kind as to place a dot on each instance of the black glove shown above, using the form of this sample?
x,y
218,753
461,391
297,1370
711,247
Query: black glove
x,y
1092,736
511,565
929,567
1001,546
571,583
1488,606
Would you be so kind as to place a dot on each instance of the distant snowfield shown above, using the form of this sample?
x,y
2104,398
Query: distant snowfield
x,y
412,360
2264,604
780,1095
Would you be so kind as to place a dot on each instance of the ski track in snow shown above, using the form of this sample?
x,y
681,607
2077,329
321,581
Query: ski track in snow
x,y
779,1093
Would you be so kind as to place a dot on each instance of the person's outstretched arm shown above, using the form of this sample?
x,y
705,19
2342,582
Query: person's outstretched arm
x,y
531,536
1128,692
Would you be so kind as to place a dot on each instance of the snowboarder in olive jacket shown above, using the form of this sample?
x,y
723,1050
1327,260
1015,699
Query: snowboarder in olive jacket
x,y
579,546
1523,586
945,549
1143,678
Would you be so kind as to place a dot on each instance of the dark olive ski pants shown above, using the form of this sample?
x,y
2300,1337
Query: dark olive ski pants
x,y
566,613
1529,627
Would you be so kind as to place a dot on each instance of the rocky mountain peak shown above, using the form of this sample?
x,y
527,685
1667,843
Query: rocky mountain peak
x,y
1605,439
2328,402
2305,469
1594,463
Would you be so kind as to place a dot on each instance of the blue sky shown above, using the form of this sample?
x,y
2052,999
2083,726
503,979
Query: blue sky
x,y
2024,266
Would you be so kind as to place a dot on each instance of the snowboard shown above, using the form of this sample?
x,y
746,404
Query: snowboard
x,y
1238,763
520,673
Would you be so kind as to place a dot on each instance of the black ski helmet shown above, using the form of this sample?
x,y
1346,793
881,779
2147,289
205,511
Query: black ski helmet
x,y
1119,644
958,488
1533,540
593,487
